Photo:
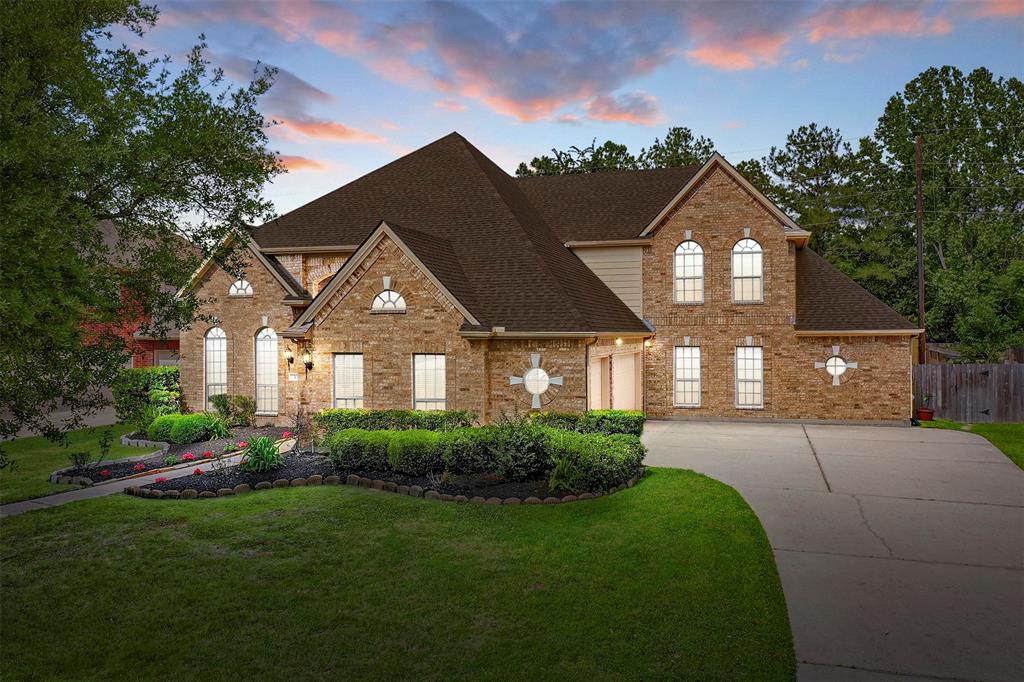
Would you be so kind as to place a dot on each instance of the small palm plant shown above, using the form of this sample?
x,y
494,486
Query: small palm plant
x,y
261,455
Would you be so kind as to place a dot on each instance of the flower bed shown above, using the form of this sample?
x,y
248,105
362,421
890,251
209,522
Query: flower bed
x,y
181,454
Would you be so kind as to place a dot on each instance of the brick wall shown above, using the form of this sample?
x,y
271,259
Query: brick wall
x,y
145,350
240,318
716,216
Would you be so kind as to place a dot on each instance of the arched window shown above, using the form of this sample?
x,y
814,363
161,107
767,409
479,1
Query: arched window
x,y
747,272
266,371
215,361
241,287
689,273
388,301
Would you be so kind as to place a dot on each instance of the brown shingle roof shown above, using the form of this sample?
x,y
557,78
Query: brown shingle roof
x,y
607,205
828,300
497,248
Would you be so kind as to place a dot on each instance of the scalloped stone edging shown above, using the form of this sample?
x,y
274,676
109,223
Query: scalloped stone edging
x,y
382,486
143,443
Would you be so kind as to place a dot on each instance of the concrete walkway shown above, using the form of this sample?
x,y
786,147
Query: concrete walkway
x,y
101,490
901,551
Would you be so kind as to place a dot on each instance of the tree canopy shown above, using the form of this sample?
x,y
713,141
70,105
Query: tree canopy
x,y
94,135
858,200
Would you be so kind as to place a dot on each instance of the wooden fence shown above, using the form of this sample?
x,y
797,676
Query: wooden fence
x,y
972,393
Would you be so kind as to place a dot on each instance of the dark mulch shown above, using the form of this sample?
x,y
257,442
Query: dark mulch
x,y
303,465
127,468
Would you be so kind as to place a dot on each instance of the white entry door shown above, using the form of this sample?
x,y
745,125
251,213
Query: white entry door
x,y
626,392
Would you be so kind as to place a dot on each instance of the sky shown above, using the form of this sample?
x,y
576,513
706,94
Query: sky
x,y
361,83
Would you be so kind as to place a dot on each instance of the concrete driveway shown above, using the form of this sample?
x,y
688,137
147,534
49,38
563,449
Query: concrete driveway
x,y
901,551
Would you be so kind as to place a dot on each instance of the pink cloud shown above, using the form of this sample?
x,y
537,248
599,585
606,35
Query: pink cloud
x,y
734,125
874,19
328,130
388,125
636,107
300,163
450,105
738,54
570,119
799,64
838,58
998,8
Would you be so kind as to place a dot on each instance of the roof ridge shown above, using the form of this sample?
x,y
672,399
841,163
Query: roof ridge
x,y
610,171
477,155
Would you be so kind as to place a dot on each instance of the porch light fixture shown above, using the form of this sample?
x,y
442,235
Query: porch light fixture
x,y
289,355
648,343
618,340
307,360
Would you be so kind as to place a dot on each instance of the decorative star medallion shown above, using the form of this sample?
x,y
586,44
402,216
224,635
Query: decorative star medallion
x,y
536,381
835,366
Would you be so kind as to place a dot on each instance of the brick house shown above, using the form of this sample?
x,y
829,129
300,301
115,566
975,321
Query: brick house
x,y
439,281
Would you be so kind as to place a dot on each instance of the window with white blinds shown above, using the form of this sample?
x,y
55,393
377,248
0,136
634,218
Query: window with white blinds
x,y
266,371
749,377
348,380
687,381
428,382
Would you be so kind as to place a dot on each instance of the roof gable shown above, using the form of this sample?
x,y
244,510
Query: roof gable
x,y
292,288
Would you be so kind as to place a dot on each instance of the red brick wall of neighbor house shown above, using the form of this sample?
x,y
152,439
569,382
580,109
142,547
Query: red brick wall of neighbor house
x,y
145,350
717,213
240,318
477,371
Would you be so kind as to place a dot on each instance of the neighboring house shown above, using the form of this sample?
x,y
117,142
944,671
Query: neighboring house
x,y
439,281
147,351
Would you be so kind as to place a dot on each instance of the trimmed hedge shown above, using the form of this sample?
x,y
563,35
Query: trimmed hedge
x,y
333,420
183,428
131,389
594,421
595,461
577,462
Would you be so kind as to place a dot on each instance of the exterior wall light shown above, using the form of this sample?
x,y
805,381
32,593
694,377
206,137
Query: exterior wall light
x,y
618,340
307,360
289,356
648,343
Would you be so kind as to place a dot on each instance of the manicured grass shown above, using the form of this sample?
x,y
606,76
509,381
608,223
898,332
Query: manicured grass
x,y
1007,437
37,458
673,578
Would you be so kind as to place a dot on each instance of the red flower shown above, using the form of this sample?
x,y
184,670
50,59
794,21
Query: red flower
x,y
105,473
160,479
197,472
188,457
243,444
286,434
208,455
139,467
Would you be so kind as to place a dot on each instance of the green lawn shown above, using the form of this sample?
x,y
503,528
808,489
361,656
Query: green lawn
x,y
671,579
1007,437
37,458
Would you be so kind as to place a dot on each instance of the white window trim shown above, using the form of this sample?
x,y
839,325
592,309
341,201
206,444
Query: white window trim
x,y
675,276
362,383
206,365
240,284
734,277
398,303
736,380
443,402
256,374
675,380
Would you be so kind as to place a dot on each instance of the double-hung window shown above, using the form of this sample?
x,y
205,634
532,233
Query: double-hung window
x,y
348,380
689,275
749,377
747,272
687,377
428,382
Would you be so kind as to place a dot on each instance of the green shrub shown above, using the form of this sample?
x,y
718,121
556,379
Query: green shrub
x,y
468,450
132,389
160,428
222,403
218,428
261,455
414,452
182,428
518,450
594,421
333,420
359,449
171,460
592,462
243,410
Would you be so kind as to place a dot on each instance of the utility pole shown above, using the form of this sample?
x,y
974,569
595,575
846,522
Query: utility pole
x,y
922,346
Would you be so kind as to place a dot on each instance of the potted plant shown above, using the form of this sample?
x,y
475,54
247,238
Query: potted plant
x,y
925,413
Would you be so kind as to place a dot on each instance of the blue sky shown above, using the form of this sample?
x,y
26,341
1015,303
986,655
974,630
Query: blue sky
x,y
362,83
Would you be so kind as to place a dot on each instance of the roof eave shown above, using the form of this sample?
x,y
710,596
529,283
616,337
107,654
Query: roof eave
x,y
858,332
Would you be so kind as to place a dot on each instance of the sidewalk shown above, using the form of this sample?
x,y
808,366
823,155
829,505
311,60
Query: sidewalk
x,y
101,490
